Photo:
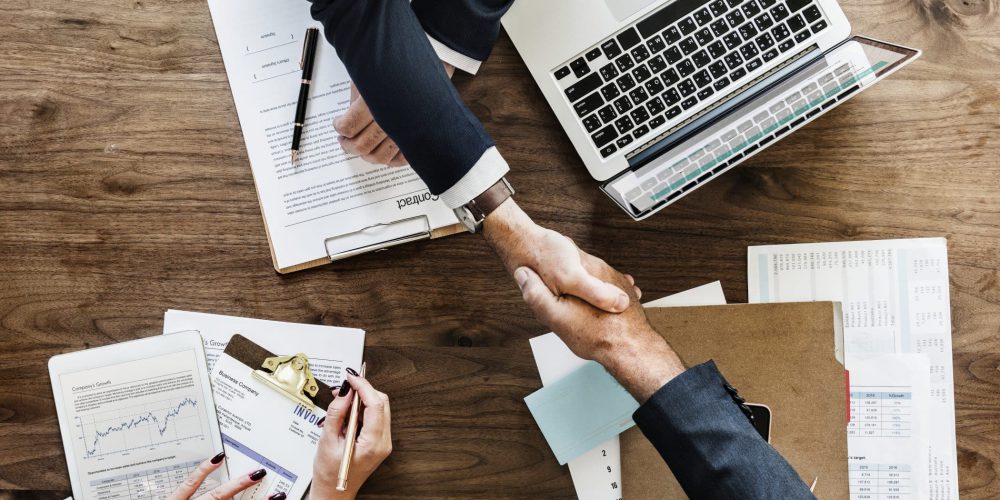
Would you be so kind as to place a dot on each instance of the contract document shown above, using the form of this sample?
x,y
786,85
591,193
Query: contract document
x,y
895,300
328,202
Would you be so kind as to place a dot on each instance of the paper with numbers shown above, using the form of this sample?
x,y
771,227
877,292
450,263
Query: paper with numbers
x,y
895,300
597,473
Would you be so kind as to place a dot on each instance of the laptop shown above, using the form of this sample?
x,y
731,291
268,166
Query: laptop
x,y
659,97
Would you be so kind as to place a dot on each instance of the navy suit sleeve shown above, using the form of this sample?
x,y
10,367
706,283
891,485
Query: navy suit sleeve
x,y
469,27
396,70
710,445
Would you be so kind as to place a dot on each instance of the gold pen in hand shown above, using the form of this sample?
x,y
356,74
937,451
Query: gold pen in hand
x,y
350,438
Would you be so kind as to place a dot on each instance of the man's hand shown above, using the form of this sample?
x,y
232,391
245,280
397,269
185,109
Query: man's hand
x,y
626,344
564,268
361,135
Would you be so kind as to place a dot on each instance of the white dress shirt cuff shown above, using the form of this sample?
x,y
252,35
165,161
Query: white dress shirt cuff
x,y
489,169
454,58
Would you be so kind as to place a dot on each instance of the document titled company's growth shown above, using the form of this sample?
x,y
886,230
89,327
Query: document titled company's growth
x,y
326,192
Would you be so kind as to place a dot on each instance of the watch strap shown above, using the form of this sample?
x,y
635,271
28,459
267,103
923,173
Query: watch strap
x,y
488,201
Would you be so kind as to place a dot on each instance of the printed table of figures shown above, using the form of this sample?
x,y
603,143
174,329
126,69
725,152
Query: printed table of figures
x,y
880,482
881,414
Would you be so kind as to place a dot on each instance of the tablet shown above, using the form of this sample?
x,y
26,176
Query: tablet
x,y
136,417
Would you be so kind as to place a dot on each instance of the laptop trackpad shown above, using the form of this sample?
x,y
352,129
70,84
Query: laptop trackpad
x,y
623,9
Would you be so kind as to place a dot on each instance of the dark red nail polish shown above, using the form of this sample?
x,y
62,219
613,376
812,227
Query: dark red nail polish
x,y
277,496
344,388
218,458
351,371
320,423
258,474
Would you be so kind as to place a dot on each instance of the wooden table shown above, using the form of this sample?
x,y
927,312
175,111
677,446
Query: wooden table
x,y
125,190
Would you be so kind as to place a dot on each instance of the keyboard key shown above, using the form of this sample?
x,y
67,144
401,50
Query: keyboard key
x,y
689,102
747,31
718,8
641,131
750,9
628,38
611,49
701,58
754,64
796,5
733,60
811,14
769,55
656,44
657,64
562,72
639,115
671,97
622,105
579,67
749,50
816,28
670,77
686,87
686,26
607,113
688,45
787,44
671,35
604,136
609,71
737,73
655,106
720,83
763,22
624,62
648,184
625,82
673,112
779,12
623,141
685,68
588,105
663,18
766,3
733,3
673,54
703,37
638,95
654,86
802,36
764,41
780,32
720,27
796,23
702,17
624,124
641,73
735,18
656,122
716,49
608,151
640,54
593,54
732,40
610,91
705,93
583,87
717,69
592,123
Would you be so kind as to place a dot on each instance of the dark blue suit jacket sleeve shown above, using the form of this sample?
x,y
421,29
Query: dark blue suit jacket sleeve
x,y
396,70
469,27
710,445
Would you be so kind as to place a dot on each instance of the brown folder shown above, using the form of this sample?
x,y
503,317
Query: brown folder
x,y
779,355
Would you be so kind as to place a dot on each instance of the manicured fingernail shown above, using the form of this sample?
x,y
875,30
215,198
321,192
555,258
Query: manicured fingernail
x,y
622,303
521,277
218,458
335,389
258,474
351,371
320,422
344,388
277,496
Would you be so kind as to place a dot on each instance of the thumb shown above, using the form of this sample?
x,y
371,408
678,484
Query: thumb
x,y
534,291
597,292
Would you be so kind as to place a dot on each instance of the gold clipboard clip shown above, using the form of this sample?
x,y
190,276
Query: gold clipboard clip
x,y
290,376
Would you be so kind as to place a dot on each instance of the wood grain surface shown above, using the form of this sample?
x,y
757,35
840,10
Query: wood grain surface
x,y
125,190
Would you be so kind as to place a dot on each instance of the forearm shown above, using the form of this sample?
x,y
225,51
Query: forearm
x,y
509,231
641,361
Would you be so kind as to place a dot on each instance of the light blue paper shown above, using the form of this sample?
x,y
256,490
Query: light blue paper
x,y
581,410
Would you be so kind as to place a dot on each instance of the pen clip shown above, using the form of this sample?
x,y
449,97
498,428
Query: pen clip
x,y
305,41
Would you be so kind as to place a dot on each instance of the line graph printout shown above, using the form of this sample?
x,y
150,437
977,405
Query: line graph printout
x,y
139,427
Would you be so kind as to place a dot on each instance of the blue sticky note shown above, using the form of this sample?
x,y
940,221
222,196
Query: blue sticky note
x,y
581,411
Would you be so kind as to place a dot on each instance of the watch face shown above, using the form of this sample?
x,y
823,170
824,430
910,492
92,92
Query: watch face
x,y
465,216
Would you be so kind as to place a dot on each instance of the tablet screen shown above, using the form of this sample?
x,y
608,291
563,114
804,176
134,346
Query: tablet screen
x,y
137,428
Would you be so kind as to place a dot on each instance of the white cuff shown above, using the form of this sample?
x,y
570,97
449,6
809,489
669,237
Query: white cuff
x,y
489,169
454,58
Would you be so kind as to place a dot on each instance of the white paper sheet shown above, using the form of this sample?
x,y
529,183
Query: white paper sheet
x,y
890,395
597,474
330,349
895,300
327,193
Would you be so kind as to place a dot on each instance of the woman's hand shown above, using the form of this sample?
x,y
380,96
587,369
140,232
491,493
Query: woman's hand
x,y
374,442
226,490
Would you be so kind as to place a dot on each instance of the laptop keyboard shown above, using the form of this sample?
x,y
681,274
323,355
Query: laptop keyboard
x,y
685,53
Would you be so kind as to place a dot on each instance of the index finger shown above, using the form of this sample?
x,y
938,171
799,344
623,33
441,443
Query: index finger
x,y
191,483
235,485
376,404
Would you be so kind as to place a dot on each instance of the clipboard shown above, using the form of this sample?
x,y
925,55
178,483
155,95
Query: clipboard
x,y
289,375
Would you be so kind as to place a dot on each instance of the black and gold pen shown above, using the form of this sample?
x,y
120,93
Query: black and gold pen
x,y
306,63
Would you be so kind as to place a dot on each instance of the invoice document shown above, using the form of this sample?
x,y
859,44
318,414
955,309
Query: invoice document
x,y
895,300
597,473
330,349
326,193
